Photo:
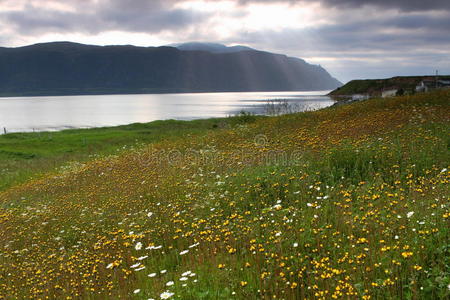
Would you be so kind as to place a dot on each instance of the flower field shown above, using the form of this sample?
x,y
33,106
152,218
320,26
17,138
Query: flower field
x,y
348,202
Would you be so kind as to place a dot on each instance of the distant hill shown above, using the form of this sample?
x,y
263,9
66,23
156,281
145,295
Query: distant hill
x,y
64,68
211,47
374,87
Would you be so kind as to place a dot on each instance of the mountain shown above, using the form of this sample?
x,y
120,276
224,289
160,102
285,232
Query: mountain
x,y
211,47
64,68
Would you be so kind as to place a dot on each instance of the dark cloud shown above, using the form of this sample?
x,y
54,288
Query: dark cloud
x,y
386,34
404,5
376,47
156,15
94,17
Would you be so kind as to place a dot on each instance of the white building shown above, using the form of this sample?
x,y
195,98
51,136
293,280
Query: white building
x,y
422,87
388,93
359,97
426,85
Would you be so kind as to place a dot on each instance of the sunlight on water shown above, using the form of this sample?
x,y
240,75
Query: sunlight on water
x,y
62,112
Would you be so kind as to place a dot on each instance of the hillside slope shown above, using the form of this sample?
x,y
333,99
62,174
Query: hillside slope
x,y
374,87
68,68
346,202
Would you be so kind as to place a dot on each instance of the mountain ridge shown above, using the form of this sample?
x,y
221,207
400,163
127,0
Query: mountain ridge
x,y
211,47
65,68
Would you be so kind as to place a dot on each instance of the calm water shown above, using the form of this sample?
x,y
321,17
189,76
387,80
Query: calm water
x,y
62,112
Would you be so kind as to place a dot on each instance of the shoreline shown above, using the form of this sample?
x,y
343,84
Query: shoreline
x,y
142,92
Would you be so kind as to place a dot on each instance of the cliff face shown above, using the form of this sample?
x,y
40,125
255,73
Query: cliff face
x,y
68,68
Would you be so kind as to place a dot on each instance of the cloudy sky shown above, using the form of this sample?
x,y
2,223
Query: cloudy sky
x,y
350,38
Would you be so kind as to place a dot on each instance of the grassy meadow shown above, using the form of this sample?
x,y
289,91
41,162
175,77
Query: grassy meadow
x,y
348,202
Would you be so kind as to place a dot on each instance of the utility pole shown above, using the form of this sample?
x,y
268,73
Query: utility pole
x,y
436,83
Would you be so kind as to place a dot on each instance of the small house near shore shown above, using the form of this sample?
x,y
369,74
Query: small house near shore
x,y
426,85
421,87
389,93
359,97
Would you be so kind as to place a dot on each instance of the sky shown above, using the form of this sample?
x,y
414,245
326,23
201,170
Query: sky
x,y
352,39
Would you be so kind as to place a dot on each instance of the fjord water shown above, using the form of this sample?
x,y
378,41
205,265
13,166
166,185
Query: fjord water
x,y
19,114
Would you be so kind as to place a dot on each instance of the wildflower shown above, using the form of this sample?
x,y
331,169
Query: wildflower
x,y
187,273
409,214
295,245
136,291
243,283
138,246
149,214
184,252
153,247
169,283
166,295
151,275
183,278
135,265
406,254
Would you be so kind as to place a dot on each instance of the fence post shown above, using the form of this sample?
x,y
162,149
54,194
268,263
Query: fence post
x,y
4,130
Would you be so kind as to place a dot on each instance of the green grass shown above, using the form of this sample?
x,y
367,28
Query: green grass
x,y
26,155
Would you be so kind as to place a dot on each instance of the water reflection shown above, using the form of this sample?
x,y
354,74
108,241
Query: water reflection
x,y
55,113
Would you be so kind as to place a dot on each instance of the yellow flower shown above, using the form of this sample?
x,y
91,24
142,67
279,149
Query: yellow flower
x,y
406,254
